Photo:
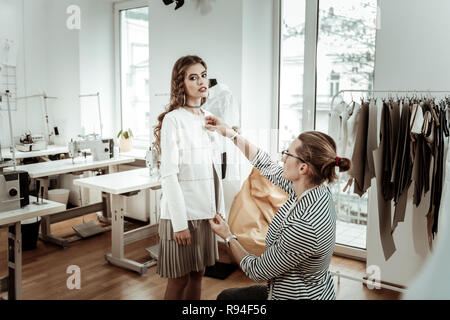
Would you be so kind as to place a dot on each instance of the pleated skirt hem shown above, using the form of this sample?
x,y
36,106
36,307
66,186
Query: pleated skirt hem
x,y
175,261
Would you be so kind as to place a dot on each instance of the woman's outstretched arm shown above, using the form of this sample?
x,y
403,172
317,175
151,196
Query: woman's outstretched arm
x,y
247,148
259,159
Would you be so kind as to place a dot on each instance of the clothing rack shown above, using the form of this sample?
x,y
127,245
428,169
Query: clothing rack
x,y
371,92
385,91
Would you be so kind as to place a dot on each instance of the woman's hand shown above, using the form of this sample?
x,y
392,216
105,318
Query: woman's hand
x,y
183,237
219,226
215,124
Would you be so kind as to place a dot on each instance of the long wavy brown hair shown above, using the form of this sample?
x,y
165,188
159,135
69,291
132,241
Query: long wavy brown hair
x,y
177,92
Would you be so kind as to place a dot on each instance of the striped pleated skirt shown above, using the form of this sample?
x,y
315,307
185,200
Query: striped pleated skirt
x,y
176,260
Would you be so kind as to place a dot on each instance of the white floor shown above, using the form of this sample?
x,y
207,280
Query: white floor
x,y
351,234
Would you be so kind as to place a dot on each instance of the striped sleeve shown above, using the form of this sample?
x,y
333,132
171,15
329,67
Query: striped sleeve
x,y
272,171
297,243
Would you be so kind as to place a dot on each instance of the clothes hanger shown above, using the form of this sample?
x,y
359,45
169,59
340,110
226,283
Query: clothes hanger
x,y
351,105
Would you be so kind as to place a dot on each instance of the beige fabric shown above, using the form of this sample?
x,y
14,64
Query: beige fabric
x,y
253,209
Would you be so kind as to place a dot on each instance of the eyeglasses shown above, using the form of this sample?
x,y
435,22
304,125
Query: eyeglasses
x,y
286,153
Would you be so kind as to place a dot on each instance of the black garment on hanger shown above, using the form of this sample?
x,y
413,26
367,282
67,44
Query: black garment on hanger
x,y
402,166
390,122
422,157
383,160
436,187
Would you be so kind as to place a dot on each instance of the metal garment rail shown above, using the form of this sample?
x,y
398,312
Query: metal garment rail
x,y
385,91
337,273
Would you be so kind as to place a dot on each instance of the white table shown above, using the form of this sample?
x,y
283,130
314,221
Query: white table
x,y
51,150
121,185
51,168
43,170
12,219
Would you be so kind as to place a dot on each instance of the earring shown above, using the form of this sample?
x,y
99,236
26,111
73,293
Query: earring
x,y
184,99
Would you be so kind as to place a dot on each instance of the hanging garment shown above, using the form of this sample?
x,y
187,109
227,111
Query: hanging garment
x,y
416,118
372,143
422,157
359,157
401,176
383,169
337,126
430,283
391,123
438,172
351,129
347,152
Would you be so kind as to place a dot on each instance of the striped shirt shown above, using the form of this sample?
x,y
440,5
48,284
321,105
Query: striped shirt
x,y
299,242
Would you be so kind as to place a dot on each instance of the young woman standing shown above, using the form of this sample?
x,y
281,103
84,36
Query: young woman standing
x,y
192,190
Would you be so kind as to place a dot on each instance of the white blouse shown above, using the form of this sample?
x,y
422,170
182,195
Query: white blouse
x,y
189,155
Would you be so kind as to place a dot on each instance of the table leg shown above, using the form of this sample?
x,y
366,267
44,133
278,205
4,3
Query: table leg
x,y
45,223
105,216
113,169
116,257
118,206
15,262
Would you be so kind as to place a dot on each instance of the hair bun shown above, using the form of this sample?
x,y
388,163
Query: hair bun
x,y
344,164
337,161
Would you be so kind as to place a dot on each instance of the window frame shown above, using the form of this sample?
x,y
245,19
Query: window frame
x,y
309,91
120,6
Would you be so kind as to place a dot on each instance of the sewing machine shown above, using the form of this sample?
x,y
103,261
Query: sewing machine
x,y
14,190
29,142
101,149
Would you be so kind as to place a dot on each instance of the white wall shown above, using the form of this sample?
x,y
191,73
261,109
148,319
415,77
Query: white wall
x,y
412,53
63,69
259,78
236,39
215,36
11,23
59,61
97,61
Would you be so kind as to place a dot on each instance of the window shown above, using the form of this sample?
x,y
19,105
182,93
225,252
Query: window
x,y
345,49
292,44
134,73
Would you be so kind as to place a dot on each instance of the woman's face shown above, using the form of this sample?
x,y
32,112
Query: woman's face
x,y
291,168
196,82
